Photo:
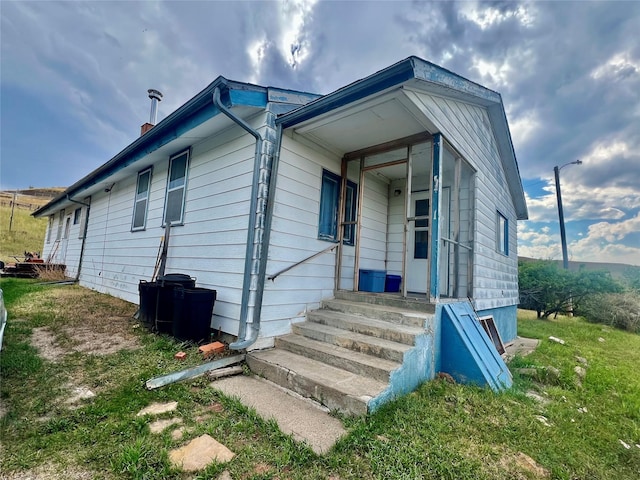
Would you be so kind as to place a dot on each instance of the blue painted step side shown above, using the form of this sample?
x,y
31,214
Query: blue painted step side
x,y
467,352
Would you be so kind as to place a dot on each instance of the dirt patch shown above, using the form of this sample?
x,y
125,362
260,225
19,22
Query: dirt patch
x,y
50,472
95,342
46,342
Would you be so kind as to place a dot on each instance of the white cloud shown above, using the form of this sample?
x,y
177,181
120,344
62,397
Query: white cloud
x,y
582,203
295,45
487,17
619,65
603,242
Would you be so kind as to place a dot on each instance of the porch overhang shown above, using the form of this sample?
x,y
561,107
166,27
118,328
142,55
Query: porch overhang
x,y
379,109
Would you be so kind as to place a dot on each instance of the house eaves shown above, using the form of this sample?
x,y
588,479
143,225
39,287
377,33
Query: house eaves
x,y
193,113
432,79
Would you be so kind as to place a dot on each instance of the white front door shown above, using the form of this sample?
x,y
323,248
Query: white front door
x,y
418,243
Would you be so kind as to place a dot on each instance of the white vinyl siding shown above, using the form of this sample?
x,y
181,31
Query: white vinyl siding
x,y
141,200
210,246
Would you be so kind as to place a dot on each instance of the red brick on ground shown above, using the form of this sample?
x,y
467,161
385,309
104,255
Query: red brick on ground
x,y
211,349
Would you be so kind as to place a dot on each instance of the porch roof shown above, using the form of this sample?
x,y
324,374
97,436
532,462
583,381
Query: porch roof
x,y
380,95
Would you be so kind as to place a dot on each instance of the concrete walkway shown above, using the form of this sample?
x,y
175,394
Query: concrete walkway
x,y
301,418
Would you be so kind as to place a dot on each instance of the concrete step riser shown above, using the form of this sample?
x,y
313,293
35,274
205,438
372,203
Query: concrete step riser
x,y
370,330
323,394
334,360
351,344
377,312
386,300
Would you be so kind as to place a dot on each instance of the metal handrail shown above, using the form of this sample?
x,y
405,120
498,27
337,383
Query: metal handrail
x,y
328,249
457,243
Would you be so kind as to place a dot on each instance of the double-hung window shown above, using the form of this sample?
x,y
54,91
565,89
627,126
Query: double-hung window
x,y
77,214
60,224
329,203
176,188
502,234
50,229
141,201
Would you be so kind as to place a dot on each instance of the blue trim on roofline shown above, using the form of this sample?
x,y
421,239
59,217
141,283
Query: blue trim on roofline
x,y
193,113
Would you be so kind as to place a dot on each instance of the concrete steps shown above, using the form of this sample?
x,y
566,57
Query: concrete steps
x,y
346,354
355,362
333,387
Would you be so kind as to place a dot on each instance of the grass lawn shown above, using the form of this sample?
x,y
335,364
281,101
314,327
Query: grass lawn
x,y
442,430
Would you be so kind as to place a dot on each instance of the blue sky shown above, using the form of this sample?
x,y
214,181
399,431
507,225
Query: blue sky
x,y
74,76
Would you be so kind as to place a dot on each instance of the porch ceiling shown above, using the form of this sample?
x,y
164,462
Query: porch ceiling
x,y
370,122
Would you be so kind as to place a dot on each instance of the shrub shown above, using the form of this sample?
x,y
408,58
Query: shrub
x,y
620,310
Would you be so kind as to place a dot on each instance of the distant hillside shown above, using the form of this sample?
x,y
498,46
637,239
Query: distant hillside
x,y
617,270
19,231
30,198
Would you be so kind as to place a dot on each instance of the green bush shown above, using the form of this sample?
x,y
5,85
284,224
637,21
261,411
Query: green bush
x,y
620,310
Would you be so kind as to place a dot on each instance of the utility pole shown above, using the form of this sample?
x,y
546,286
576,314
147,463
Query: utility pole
x,y
13,206
563,234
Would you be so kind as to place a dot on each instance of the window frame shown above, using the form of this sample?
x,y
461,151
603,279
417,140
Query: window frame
x,y
502,234
137,200
60,225
77,215
329,204
169,189
50,230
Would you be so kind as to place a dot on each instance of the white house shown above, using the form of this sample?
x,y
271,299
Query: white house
x,y
281,200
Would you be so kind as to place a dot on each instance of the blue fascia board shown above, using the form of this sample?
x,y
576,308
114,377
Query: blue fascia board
x,y
430,72
283,95
193,113
248,98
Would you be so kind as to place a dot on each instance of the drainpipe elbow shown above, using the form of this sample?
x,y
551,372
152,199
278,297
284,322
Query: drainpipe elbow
x,y
246,342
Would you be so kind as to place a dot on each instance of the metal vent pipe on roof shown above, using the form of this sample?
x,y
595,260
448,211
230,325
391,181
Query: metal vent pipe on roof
x,y
155,96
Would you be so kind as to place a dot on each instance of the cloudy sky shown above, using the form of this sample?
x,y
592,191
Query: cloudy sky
x,y
74,78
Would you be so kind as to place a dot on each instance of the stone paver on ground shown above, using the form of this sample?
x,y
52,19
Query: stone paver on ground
x,y
158,408
160,425
199,453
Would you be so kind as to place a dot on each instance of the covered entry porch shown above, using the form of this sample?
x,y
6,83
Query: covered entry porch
x,y
413,218
404,200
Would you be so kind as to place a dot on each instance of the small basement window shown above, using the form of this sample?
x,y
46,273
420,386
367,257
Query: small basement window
x,y
176,188
502,234
141,201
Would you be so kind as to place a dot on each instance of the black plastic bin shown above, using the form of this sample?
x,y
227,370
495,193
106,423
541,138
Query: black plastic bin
x,y
148,299
192,311
156,300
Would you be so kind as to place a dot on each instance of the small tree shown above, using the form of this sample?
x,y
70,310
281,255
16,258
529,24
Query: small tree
x,y
547,289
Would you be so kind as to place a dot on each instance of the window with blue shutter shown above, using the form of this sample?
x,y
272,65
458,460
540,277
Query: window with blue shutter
x,y
329,202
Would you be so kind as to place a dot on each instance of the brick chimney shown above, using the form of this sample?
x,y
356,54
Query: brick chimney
x,y
155,97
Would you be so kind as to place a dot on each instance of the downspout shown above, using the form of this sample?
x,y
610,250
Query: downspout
x,y
254,268
84,235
